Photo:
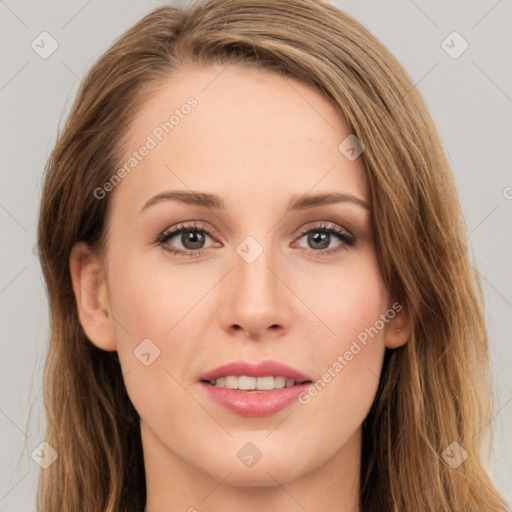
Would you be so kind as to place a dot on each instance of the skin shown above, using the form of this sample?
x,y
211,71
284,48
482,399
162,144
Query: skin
x,y
255,139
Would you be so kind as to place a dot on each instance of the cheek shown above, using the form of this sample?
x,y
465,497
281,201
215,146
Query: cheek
x,y
154,311
149,300
347,300
337,403
350,358
153,348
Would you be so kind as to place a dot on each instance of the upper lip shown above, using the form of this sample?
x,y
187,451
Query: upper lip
x,y
263,369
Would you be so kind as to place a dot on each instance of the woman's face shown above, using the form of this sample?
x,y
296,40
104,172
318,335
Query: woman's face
x,y
299,286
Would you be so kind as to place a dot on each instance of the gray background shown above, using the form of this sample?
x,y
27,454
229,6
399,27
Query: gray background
x,y
470,98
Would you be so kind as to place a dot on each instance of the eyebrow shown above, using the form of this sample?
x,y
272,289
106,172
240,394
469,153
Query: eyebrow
x,y
213,201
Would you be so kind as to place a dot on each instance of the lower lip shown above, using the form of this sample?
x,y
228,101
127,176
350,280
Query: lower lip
x,y
251,403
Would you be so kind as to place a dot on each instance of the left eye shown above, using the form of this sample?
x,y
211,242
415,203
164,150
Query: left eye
x,y
321,237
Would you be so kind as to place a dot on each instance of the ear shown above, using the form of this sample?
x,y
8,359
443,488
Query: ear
x,y
90,288
399,327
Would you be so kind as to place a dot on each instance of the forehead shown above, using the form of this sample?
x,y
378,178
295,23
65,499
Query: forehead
x,y
237,131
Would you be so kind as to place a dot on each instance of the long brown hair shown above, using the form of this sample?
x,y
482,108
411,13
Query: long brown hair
x,y
435,390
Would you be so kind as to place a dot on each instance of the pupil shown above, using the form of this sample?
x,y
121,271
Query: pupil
x,y
318,237
193,237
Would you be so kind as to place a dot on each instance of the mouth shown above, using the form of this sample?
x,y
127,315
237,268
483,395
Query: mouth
x,y
250,389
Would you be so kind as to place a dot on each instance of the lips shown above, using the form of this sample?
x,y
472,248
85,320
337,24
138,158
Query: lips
x,y
263,369
255,404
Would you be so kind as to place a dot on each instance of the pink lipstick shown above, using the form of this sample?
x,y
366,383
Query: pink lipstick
x,y
255,389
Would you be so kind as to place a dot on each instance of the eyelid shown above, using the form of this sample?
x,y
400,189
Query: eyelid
x,y
193,224
325,225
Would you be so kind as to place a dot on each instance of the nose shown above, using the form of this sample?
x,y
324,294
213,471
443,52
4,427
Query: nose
x,y
256,299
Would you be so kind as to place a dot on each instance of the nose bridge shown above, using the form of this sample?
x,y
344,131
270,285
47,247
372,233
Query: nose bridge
x,y
257,297
257,284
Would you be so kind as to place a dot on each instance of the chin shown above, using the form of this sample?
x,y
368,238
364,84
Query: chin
x,y
268,473
246,478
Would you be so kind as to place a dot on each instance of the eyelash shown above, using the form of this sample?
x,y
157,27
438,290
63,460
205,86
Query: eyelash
x,y
346,239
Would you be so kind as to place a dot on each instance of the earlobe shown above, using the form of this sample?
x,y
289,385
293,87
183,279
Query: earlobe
x,y
398,329
90,289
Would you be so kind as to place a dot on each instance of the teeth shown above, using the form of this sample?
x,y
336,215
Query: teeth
x,y
245,383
